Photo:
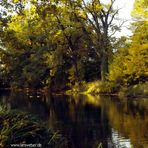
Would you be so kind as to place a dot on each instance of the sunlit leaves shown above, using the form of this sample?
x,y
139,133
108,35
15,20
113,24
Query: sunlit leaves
x,y
93,6
141,9
130,65
52,34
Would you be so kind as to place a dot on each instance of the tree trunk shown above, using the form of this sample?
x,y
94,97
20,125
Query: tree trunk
x,y
105,53
104,67
76,72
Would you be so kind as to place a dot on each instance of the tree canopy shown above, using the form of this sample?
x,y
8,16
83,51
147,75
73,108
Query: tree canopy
x,y
49,43
133,68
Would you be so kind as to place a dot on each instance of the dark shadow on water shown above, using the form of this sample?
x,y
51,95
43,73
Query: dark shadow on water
x,y
87,121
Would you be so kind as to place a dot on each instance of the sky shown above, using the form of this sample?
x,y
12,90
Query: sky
x,y
126,7
125,14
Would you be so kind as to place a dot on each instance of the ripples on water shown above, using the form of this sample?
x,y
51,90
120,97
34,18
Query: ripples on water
x,y
88,121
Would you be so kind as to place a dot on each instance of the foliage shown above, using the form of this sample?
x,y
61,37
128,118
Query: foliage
x,y
134,91
132,68
60,44
140,9
95,87
18,127
99,87
130,64
44,40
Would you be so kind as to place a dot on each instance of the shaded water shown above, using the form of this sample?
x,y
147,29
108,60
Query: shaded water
x,y
88,121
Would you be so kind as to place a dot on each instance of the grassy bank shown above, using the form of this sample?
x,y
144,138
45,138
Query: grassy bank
x,y
22,128
138,90
110,88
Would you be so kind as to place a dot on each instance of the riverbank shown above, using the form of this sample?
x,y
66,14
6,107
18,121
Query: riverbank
x,y
92,88
110,88
21,129
138,90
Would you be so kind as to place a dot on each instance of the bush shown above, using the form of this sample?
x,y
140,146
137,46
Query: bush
x,y
99,87
135,90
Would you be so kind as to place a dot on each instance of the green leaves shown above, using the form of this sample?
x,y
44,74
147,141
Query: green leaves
x,y
140,9
133,68
46,39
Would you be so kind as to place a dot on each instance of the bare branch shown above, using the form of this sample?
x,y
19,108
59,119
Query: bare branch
x,y
120,25
113,16
110,8
96,27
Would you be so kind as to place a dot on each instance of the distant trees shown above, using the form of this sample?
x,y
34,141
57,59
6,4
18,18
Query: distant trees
x,y
130,65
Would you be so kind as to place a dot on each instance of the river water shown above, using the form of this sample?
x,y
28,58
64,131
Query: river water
x,y
88,121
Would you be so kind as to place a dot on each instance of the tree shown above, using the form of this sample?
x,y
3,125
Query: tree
x,y
101,17
133,68
58,35
26,48
140,10
91,20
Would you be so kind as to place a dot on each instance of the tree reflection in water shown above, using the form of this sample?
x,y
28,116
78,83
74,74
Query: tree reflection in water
x,y
87,121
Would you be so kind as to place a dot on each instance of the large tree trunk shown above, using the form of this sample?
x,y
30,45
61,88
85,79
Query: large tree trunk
x,y
104,67
105,53
76,72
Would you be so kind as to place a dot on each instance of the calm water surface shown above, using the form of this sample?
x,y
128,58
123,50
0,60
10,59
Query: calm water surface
x,y
88,121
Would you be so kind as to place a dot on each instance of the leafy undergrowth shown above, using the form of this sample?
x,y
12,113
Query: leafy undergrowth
x,y
99,87
96,87
23,128
135,90
110,88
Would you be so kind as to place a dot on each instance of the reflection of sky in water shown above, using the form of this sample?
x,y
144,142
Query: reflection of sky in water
x,y
119,141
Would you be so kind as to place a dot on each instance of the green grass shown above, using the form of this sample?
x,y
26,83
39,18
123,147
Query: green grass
x,y
18,127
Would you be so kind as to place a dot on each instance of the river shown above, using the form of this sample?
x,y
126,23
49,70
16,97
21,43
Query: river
x,y
88,121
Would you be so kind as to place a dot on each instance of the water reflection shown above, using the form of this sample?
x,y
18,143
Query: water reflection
x,y
87,121
129,118
85,125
